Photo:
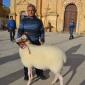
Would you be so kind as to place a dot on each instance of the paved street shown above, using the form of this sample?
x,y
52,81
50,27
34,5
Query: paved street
x,y
11,68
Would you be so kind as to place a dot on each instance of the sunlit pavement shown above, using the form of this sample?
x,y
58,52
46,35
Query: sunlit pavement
x,y
11,68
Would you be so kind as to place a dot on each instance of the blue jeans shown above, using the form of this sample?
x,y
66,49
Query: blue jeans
x,y
71,30
12,34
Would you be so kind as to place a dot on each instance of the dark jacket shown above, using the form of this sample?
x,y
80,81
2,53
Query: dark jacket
x,y
33,27
72,25
11,25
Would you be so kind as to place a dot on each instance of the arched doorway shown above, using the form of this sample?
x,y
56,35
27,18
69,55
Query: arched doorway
x,y
70,14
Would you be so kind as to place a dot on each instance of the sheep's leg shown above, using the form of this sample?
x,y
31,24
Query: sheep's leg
x,y
30,76
55,79
60,78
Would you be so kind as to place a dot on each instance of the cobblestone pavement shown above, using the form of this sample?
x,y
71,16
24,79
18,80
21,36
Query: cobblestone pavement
x,y
11,68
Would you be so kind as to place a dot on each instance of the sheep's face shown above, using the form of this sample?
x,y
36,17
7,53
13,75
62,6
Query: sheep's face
x,y
22,41
22,44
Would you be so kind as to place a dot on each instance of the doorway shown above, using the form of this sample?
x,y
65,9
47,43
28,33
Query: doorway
x,y
70,14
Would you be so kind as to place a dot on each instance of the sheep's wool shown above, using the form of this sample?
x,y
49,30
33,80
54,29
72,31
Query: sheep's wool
x,y
43,57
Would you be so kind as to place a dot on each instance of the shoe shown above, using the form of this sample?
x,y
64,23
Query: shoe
x,y
26,78
41,77
70,38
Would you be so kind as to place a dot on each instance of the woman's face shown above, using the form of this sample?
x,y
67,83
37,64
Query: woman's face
x,y
30,11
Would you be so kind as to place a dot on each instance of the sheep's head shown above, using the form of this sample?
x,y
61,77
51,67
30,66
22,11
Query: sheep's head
x,y
22,41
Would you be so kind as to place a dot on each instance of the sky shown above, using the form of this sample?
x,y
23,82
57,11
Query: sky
x,y
6,2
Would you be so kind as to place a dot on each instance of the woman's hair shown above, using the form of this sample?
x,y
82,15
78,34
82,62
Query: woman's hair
x,y
33,6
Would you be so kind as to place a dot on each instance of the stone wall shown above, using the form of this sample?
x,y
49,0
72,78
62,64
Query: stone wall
x,y
52,11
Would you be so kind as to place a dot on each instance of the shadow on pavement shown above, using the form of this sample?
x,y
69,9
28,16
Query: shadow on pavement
x,y
11,77
6,59
74,61
6,80
83,83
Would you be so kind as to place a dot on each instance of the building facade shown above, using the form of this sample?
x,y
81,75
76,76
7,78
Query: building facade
x,y
58,12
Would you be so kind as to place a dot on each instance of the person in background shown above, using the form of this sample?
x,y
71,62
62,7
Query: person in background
x,y
0,24
33,27
11,25
71,29
50,26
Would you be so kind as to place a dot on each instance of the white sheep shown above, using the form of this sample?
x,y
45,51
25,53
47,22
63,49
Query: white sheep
x,y
43,57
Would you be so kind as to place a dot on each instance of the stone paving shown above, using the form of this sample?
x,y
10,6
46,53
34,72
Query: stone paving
x,y
11,68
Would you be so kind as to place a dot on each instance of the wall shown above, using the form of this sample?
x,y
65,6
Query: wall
x,y
53,11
